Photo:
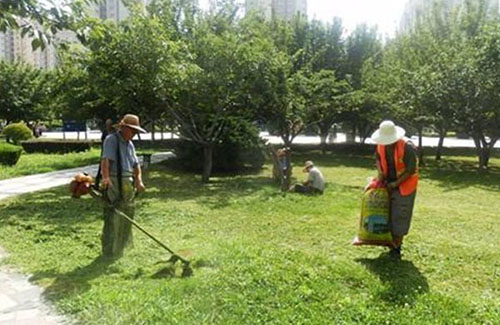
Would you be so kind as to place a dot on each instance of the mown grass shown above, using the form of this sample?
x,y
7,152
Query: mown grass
x,y
35,163
263,258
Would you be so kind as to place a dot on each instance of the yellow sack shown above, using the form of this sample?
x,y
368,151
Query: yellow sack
x,y
374,227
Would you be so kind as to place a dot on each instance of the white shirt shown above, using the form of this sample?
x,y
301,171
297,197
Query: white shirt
x,y
316,178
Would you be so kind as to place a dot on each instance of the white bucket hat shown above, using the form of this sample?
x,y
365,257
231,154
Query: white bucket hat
x,y
388,133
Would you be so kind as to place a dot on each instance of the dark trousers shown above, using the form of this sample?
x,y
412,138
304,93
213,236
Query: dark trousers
x,y
299,188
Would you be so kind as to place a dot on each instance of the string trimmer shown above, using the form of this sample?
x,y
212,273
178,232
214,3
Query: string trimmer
x,y
186,268
83,184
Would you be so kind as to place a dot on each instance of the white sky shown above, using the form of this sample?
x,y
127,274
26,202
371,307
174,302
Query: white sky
x,y
386,14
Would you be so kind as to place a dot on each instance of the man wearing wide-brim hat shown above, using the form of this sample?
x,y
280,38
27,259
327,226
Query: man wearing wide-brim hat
x,y
121,178
397,164
315,183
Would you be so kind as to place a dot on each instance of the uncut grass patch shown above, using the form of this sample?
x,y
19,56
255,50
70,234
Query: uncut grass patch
x,y
30,164
263,258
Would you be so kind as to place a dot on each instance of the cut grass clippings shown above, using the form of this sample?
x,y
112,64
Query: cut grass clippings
x,y
263,258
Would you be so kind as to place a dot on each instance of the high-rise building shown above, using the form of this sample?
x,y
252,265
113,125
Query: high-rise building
x,y
14,48
415,9
113,10
284,9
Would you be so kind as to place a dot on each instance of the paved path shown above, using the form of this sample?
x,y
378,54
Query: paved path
x,y
33,183
21,303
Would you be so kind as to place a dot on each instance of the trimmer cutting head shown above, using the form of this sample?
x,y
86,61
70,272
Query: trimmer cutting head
x,y
185,264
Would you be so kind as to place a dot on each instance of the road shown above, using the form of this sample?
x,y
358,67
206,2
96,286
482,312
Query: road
x,y
302,139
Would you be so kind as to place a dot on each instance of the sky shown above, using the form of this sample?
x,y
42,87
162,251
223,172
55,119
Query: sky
x,y
386,14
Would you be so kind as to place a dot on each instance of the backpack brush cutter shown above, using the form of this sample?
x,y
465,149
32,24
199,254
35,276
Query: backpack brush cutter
x,y
83,185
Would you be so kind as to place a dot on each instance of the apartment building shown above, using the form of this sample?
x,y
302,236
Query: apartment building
x,y
284,9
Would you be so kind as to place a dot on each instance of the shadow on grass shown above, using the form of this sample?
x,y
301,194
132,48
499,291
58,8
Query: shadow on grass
x,y
76,281
455,174
334,160
176,185
404,280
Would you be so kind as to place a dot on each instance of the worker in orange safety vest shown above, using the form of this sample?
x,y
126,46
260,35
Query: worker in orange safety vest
x,y
397,164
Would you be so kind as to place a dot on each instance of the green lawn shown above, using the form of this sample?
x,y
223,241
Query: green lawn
x,y
35,163
263,258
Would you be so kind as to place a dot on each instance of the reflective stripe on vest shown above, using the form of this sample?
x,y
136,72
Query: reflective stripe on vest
x,y
410,184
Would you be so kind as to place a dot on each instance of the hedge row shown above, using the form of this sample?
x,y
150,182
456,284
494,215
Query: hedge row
x,y
9,154
56,146
166,144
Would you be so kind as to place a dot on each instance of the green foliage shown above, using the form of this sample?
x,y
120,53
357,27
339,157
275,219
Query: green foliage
x,y
17,132
23,92
56,146
263,258
9,154
229,156
41,20
442,72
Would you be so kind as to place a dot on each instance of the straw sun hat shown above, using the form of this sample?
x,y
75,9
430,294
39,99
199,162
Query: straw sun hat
x,y
388,133
132,121
308,164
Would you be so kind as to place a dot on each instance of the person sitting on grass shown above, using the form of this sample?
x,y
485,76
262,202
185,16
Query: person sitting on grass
x,y
315,183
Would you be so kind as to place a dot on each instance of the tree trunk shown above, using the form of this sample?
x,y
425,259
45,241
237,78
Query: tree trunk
x,y
440,145
420,147
485,157
207,162
153,130
352,138
323,137
481,154
162,130
287,179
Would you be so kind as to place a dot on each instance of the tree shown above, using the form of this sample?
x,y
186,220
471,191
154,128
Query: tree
x,y
362,44
41,20
23,92
74,97
327,99
138,59
217,93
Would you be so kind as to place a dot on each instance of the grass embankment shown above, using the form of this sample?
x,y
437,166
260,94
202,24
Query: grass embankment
x,y
35,163
262,258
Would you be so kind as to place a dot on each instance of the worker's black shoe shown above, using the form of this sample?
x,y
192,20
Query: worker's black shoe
x,y
395,253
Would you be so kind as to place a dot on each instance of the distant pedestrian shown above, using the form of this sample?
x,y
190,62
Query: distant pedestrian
x,y
315,183
397,165
108,128
332,134
282,166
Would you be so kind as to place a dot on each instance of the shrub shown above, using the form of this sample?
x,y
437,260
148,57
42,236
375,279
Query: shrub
x,y
17,132
233,154
56,146
228,157
9,154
